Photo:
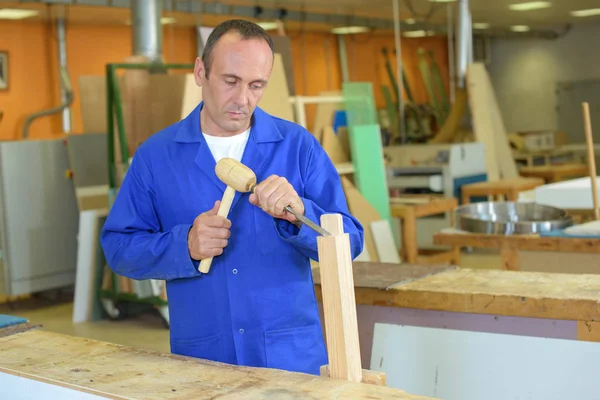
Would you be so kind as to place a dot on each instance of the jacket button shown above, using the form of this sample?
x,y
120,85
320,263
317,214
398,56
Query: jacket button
x,y
234,271
241,330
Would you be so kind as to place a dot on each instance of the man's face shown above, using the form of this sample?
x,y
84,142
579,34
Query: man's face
x,y
236,82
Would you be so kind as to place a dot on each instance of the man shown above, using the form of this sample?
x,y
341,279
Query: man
x,y
257,305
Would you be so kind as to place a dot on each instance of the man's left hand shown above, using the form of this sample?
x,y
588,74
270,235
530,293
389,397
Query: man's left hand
x,y
273,194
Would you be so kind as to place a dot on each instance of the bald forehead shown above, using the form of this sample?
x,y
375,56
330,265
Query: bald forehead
x,y
233,40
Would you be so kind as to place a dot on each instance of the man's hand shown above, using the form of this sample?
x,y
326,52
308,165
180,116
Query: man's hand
x,y
209,234
273,194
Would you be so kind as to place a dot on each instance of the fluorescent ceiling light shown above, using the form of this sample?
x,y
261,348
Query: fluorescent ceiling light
x,y
13,13
268,26
586,13
532,5
420,33
481,25
410,21
344,30
519,28
163,21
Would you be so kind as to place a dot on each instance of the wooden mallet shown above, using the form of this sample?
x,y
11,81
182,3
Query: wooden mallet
x,y
240,178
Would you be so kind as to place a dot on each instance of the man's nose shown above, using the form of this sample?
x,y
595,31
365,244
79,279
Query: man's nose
x,y
241,97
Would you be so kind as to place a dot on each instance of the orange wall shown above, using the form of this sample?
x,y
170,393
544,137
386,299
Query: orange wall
x,y
34,85
33,75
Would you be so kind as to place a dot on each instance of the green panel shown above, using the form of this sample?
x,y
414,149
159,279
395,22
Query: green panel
x,y
359,103
369,169
366,146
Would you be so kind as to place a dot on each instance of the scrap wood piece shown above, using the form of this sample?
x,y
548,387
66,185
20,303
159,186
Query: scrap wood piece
x,y
339,304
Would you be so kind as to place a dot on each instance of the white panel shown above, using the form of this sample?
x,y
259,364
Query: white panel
x,y
387,251
571,194
464,365
18,388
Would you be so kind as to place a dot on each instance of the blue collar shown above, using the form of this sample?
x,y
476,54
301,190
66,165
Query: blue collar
x,y
263,127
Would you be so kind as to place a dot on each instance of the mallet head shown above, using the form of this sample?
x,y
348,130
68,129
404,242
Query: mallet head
x,y
236,175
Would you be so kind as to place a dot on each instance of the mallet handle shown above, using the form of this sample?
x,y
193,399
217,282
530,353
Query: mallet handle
x,y
224,208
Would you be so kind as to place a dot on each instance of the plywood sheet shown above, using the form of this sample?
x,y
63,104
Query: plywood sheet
x,y
364,212
282,45
276,98
121,372
333,147
488,124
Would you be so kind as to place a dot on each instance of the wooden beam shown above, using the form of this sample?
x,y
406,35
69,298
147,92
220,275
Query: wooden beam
x,y
339,305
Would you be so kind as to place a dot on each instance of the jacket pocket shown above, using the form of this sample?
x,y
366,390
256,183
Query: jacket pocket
x,y
298,349
208,348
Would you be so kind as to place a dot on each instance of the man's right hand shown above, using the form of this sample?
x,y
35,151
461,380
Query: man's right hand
x,y
209,234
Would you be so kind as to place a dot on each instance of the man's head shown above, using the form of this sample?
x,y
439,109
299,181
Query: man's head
x,y
233,73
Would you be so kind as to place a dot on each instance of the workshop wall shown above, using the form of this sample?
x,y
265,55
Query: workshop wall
x,y
525,73
33,76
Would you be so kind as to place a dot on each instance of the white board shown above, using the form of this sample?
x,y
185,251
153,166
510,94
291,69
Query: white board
x,y
575,194
20,388
464,365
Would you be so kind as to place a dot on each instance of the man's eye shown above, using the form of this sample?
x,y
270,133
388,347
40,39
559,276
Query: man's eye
x,y
257,86
230,82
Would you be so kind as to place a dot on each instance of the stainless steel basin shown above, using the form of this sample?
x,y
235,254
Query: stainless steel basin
x,y
508,218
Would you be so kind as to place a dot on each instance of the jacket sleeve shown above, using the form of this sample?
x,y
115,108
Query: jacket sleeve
x,y
133,241
323,194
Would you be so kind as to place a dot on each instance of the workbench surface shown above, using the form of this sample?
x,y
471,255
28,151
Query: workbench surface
x,y
120,372
522,294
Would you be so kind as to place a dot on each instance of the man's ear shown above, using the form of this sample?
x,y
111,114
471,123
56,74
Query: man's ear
x,y
199,72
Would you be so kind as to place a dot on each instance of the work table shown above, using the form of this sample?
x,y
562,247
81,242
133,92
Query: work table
x,y
113,371
448,288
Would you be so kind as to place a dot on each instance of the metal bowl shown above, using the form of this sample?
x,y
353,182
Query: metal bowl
x,y
508,218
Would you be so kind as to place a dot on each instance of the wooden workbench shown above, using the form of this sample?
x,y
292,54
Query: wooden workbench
x,y
532,252
531,303
119,372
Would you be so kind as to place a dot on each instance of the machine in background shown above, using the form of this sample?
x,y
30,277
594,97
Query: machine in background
x,y
439,170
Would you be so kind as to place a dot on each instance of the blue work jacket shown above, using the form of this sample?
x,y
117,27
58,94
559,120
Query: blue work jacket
x,y
257,305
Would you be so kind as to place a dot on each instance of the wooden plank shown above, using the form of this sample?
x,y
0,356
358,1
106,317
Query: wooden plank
x,y
341,326
121,372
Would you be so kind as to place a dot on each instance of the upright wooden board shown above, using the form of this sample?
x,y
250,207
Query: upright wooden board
x,y
488,124
339,306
